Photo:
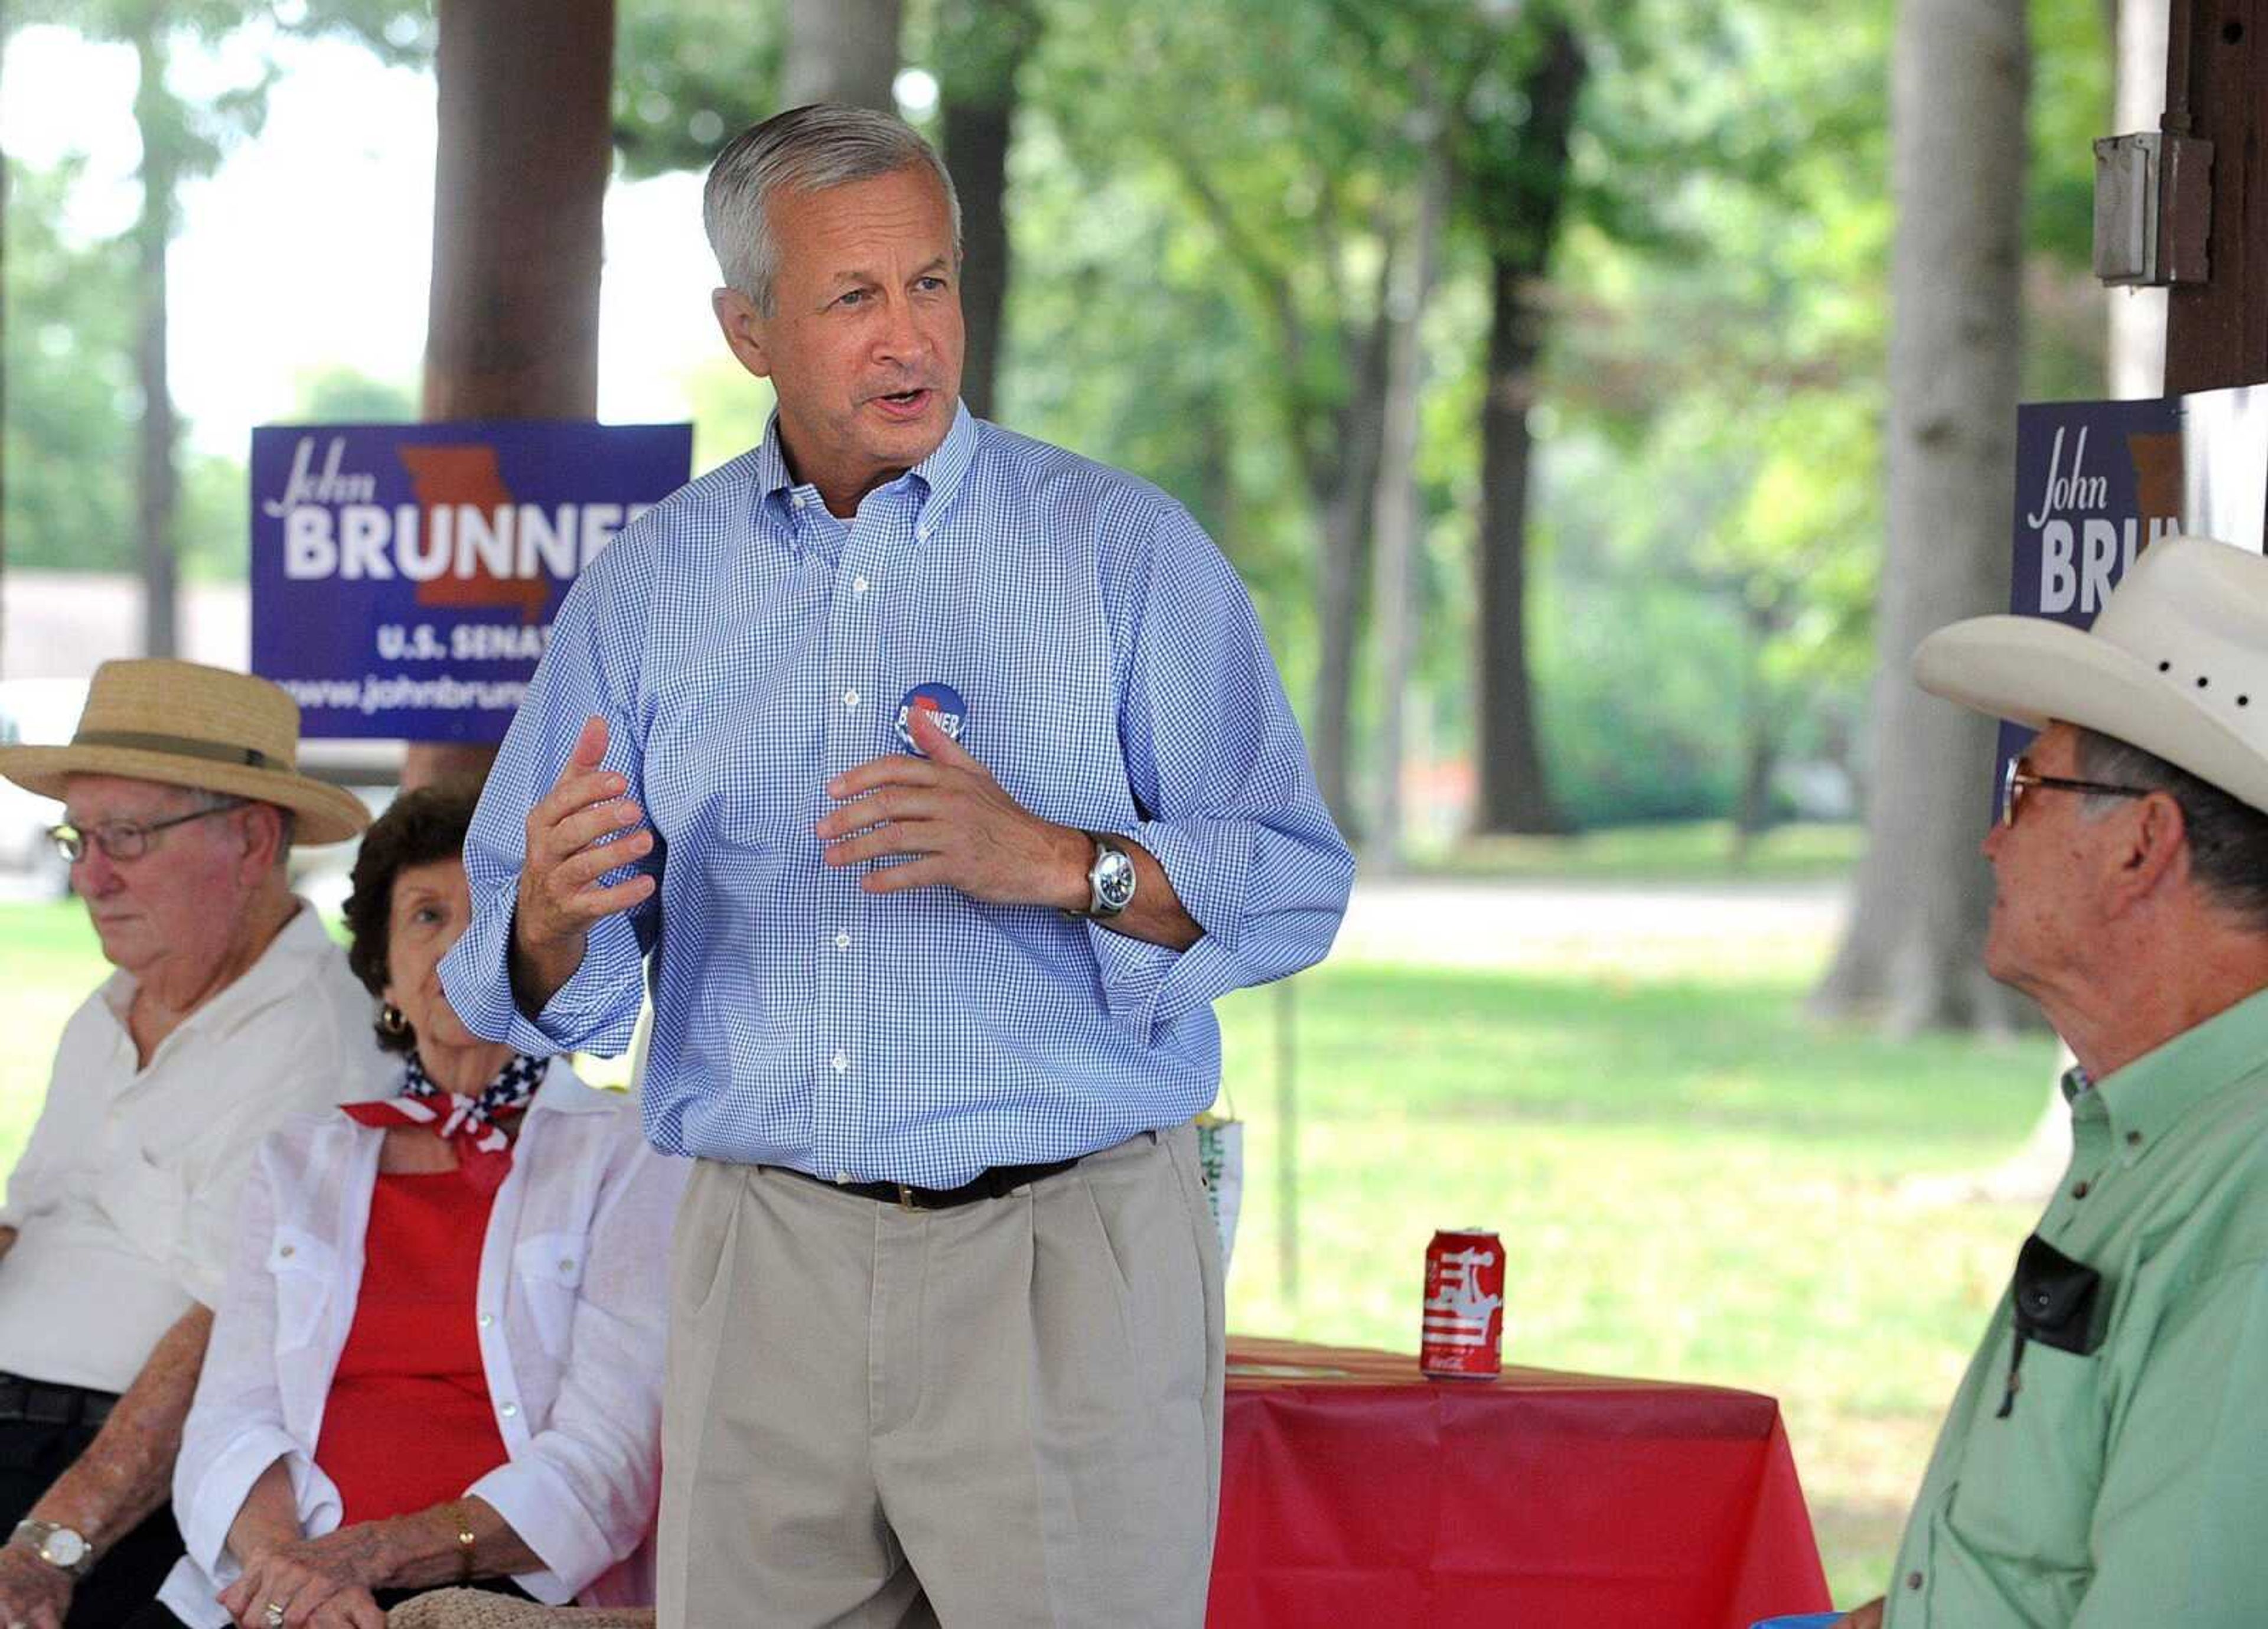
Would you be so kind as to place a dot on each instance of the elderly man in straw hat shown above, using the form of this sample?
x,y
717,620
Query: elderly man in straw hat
x,y
2105,1462
231,1008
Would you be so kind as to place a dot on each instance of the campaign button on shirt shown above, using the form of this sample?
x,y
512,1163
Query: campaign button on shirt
x,y
943,705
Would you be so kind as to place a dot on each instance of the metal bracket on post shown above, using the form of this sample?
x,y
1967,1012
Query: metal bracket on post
x,y
2153,208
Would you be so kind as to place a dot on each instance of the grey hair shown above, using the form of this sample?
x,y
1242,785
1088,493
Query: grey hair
x,y
2228,838
804,150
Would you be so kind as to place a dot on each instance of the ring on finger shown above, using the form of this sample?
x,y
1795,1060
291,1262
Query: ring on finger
x,y
273,1615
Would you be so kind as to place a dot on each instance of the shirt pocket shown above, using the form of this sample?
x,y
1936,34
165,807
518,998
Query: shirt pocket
x,y
147,1202
2029,1481
549,1268
304,1268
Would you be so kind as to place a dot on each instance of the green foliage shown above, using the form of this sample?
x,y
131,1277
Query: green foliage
x,y
689,75
340,395
71,394
1203,200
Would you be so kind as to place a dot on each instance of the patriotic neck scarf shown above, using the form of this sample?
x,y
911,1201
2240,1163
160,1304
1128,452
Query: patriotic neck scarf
x,y
471,1123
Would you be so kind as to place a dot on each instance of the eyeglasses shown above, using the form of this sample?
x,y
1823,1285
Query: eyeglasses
x,y
124,839
2016,781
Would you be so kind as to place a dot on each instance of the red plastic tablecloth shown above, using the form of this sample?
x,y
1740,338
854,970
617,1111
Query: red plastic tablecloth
x,y
1356,1492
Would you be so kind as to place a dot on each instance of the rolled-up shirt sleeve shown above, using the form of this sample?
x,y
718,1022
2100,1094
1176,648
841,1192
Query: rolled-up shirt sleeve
x,y
1220,775
236,1427
589,669
583,1494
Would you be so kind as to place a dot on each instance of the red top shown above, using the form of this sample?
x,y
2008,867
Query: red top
x,y
409,1423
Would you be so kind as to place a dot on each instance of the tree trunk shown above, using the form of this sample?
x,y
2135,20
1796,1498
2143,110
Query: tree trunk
x,y
981,45
2138,316
1396,514
157,488
1527,198
1752,813
519,185
1959,79
1514,796
841,51
1346,502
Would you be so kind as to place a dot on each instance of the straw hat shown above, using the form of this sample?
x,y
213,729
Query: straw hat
x,y
2176,664
185,724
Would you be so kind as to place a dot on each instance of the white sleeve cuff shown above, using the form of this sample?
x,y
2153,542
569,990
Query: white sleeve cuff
x,y
551,1522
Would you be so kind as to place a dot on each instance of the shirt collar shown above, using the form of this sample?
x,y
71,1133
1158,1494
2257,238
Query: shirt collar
x,y
2145,1100
940,475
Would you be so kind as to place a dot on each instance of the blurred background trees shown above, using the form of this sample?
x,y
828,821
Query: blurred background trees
x,y
1531,358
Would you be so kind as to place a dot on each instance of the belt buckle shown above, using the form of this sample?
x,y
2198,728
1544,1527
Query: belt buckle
x,y
905,1197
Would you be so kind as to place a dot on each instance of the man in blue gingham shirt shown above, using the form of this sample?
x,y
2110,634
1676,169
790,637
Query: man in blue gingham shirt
x,y
898,971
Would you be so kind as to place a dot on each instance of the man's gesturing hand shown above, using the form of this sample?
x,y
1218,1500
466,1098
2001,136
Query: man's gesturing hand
x,y
947,811
559,893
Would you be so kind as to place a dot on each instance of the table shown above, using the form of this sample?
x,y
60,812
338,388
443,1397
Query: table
x,y
1356,1492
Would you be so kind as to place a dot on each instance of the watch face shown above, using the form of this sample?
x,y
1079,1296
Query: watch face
x,y
63,1548
1114,879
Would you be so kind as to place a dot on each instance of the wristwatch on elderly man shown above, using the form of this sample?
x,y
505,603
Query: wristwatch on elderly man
x,y
59,1546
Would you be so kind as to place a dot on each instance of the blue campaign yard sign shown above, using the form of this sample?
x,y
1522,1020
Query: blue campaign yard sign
x,y
2099,481
404,577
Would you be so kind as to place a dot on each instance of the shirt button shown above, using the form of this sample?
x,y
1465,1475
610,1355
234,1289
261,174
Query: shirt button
x,y
842,941
283,1250
797,499
2133,1139
850,698
567,1264
857,584
2079,1190
841,1062
844,1177
508,1410
1913,1579
486,1319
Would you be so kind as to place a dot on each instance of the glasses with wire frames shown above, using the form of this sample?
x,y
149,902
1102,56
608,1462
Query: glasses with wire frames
x,y
2016,781
122,840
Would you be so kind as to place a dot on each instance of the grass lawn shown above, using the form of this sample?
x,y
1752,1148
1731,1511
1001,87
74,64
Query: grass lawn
x,y
1689,852
1692,1181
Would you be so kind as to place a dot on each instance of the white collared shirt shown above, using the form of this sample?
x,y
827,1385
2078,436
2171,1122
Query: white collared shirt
x,y
573,1313
125,1197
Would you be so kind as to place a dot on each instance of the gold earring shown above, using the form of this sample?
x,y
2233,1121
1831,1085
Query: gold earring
x,y
391,1020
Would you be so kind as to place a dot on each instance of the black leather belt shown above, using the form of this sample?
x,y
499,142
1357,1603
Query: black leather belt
x,y
39,1403
996,1184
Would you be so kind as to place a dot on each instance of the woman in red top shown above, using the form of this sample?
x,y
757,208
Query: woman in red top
x,y
435,1360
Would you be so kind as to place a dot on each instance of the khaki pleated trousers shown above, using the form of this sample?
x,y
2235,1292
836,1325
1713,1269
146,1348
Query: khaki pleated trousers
x,y
1003,1414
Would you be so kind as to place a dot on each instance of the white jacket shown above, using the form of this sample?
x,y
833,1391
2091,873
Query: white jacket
x,y
573,1313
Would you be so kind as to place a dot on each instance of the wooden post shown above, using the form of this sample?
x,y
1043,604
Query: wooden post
x,y
2217,90
519,188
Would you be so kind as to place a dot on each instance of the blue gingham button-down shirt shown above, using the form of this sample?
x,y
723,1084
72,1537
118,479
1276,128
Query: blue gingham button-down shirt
x,y
744,647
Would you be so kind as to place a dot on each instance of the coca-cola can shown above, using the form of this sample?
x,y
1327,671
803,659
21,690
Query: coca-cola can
x,y
1463,1331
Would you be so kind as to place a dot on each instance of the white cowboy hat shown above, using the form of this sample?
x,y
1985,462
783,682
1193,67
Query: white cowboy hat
x,y
185,724
2176,664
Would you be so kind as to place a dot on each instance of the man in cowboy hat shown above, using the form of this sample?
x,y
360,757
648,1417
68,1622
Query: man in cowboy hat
x,y
229,1009
2105,1461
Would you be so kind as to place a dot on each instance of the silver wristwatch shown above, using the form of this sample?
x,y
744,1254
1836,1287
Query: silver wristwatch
x,y
1110,880
59,1546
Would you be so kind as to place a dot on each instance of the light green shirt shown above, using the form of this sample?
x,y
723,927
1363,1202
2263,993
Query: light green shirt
x,y
2128,1488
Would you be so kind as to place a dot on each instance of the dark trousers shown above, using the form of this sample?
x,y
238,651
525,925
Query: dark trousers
x,y
31,1456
